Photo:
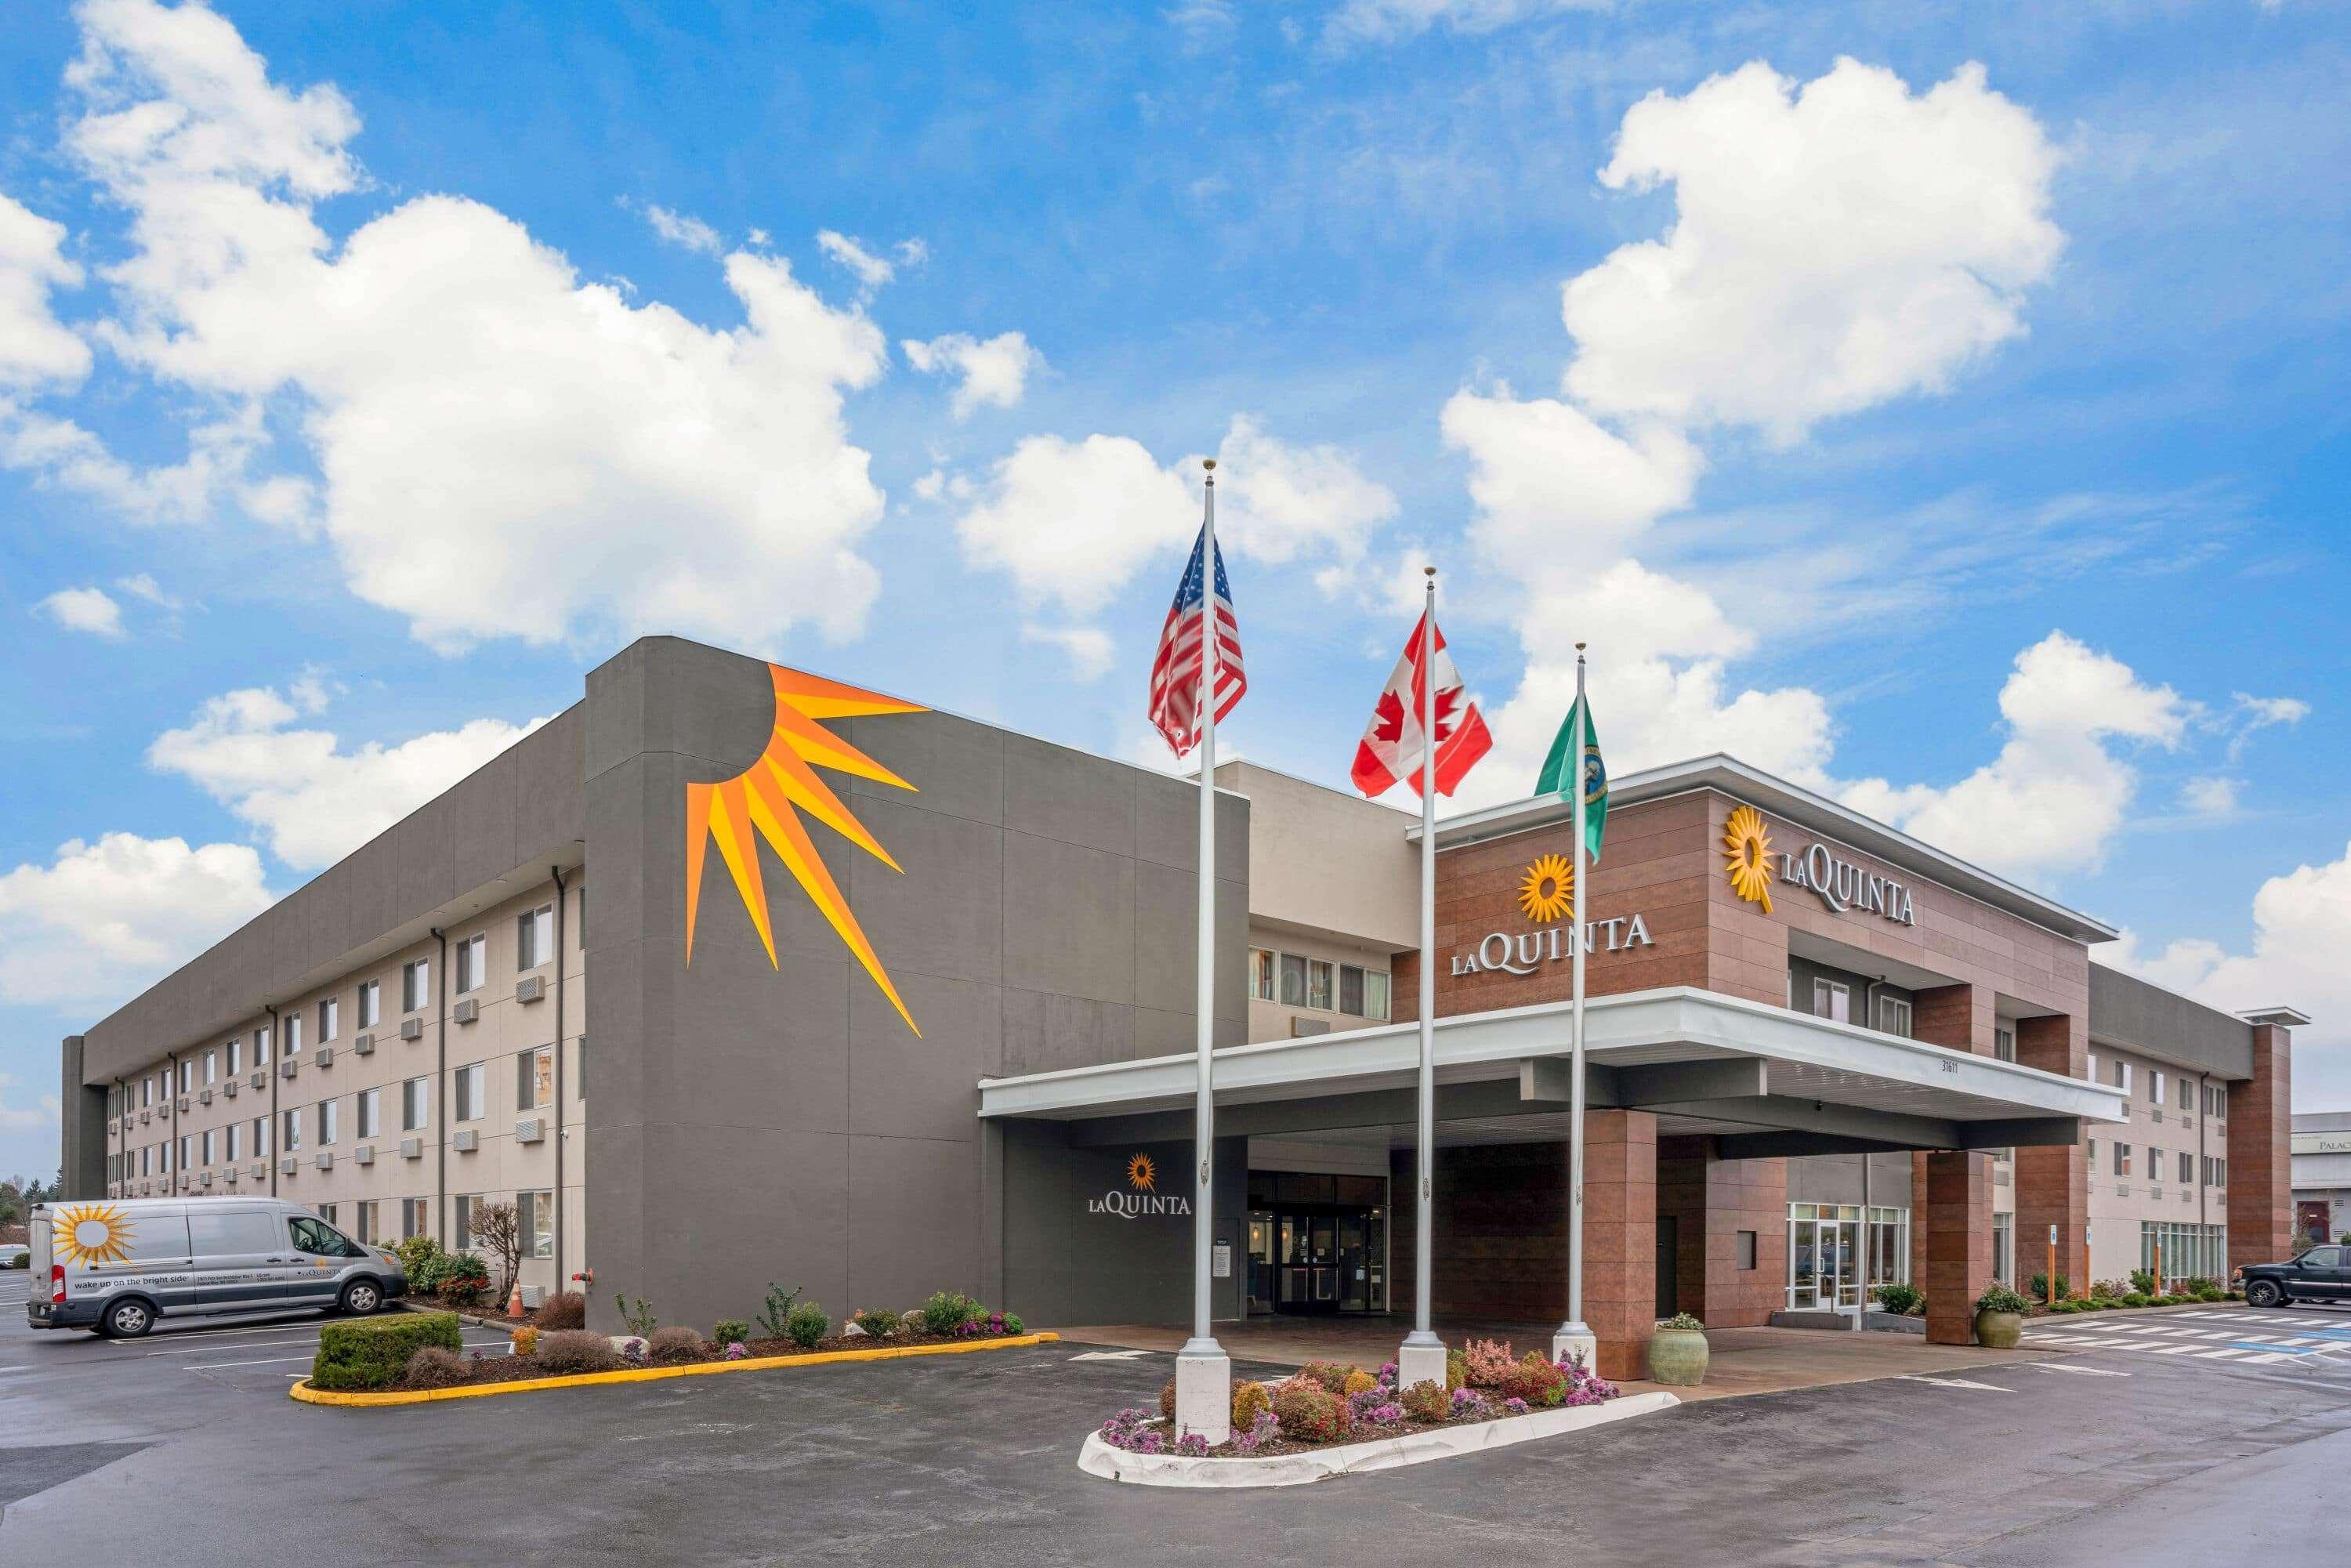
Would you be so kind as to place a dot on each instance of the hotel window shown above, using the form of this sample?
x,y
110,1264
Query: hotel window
x,y
464,1239
2154,1086
2187,1169
371,1113
326,1121
205,1146
293,1034
1833,999
187,1075
146,1159
236,1050
2004,1247
416,985
2122,1159
536,1212
1350,990
1318,983
2003,1044
1894,1016
261,1046
2220,1101
234,1137
414,1218
364,1213
1375,994
473,964
261,1137
187,1150
370,1004
2122,1076
470,1086
290,1133
535,1078
2220,1172
212,1068
147,1090
1293,980
1261,967
580,937
326,1213
415,1104
535,936
330,1018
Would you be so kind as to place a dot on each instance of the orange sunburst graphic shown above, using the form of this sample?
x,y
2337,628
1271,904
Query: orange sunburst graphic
x,y
90,1233
764,801
1142,1175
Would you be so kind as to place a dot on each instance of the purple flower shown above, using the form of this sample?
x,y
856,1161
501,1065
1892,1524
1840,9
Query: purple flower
x,y
1515,1406
1194,1445
1467,1403
1388,1372
736,1352
1261,1431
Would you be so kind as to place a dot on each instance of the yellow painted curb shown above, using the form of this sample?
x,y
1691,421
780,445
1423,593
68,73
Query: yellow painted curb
x,y
309,1395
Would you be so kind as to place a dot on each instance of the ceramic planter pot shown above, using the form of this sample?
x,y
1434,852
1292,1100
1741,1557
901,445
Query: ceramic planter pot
x,y
2000,1331
1677,1356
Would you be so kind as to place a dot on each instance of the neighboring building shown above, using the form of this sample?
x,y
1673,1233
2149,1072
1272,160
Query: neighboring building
x,y
2321,1154
924,1018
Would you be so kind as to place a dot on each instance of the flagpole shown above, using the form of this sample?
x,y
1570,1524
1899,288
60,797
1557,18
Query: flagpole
x,y
1574,1336
1422,1357
1202,1371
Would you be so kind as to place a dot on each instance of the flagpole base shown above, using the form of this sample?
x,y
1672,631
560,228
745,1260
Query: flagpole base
x,y
1577,1340
1420,1359
1204,1391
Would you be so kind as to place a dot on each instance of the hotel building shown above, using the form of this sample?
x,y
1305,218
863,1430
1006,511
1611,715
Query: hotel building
x,y
730,975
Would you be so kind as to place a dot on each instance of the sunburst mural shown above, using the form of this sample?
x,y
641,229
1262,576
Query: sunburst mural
x,y
90,1233
764,801
1142,1175
1548,890
1748,856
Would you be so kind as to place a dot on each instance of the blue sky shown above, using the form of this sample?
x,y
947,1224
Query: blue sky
x,y
1939,404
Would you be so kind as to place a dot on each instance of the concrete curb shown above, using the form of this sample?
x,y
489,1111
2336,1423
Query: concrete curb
x,y
1099,1458
309,1395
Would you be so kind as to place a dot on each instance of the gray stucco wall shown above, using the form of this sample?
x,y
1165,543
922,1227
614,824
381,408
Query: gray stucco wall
x,y
2139,1017
756,1123
1066,1263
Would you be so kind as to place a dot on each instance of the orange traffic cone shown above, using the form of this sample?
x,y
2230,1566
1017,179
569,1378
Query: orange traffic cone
x,y
514,1301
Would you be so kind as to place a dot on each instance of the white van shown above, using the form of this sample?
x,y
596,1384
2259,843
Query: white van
x,y
114,1266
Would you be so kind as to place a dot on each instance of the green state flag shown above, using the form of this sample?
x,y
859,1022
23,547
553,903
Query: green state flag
x,y
1556,779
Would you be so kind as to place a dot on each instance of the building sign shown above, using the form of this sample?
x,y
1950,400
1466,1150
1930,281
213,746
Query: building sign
x,y
1547,895
2320,1142
1143,1196
1754,866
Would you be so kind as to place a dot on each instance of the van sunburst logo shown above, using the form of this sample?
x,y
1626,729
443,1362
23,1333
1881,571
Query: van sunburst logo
x,y
1142,1175
91,1233
765,800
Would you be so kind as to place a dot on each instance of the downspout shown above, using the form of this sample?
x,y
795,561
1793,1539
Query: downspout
x,y
277,1053
173,1058
440,1091
1868,1244
122,1139
2203,1179
560,896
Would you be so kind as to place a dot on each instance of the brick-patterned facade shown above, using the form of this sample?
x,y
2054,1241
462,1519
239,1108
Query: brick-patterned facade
x,y
1712,1201
2053,1182
2260,1180
1957,1213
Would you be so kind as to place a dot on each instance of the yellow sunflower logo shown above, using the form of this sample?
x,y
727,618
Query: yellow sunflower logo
x,y
1142,1175
1548,890
91,1233
1748,856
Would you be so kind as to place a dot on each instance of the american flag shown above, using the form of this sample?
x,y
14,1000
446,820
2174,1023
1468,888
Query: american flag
x,y
1175,673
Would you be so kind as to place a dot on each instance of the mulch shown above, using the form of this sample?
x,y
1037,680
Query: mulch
x,y
519,1368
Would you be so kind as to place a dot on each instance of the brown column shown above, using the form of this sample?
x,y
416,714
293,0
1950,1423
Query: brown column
x,y
1620,1238
1711,1201
1959,1243
2052,1184
2261,1185
1942,1015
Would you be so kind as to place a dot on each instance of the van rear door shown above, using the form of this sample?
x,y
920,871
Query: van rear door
x,y
36,1308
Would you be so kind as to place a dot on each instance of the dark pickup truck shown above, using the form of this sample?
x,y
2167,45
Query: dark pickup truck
x,y
2321,1274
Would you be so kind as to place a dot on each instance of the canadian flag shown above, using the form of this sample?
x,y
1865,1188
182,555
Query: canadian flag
x,y
1393,745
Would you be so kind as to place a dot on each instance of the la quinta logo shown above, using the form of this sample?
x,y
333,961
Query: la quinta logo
x,y
1142,1177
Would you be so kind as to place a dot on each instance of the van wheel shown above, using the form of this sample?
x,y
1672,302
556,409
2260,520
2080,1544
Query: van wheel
x,y
127,1320
2264,1294
362,1297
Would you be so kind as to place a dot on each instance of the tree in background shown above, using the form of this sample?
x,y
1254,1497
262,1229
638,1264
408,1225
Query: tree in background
x,y
497,1230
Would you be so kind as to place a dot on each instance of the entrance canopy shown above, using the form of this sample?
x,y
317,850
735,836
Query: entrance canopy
x,y
1766,1081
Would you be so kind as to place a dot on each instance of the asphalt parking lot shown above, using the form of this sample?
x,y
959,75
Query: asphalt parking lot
x,y
118,1453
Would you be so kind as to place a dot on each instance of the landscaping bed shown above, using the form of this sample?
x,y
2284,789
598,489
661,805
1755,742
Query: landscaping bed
x,y
480,1367
1327,1406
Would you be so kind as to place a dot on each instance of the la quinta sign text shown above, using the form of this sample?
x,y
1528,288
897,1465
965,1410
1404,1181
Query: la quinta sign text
x,y
1546,893
1754,866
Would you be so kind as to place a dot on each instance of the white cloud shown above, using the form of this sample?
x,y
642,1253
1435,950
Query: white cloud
x,y
502,449
36,348
992,374
313,799
2253,714
102,920
40,1116
679,229
2212,794
84,610
2061,783
1278,503
142,585
1392,21
871,268
1089,647
1832,247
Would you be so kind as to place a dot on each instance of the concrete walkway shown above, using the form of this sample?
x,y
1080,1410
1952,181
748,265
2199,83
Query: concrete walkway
x,y
1740,1361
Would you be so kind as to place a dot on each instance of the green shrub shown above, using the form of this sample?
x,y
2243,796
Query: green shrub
x,y
1309,1412
2040,1291
2142,1281
569,1350
1422,1402
673,1344
463,1277
370,1351
806,1323
949,1311
2136,1299
779,1308
564,1310
1014,1323
2108,1304
1248,1400
414,1253
730,1331
880,1323
434,1367
2001,1298
2103,1290
1457,1370
2211,1293
1331,1375
639,1319
1903,1301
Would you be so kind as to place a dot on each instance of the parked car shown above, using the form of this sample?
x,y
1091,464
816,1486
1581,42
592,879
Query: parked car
x,y
16,1254
2320,1274
115,1266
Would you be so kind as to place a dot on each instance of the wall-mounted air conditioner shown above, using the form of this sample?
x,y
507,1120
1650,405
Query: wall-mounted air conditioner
x,y
260,1169
412,1028
261,1078
532,1130
466,1011
183,1104
204,1096
288,1165
364,1154
364,1045
325,1056
228,1089
466,1140
412,1149
288,1068
326,1159
113,1125
229,1175
205,1179
531,989
146,1112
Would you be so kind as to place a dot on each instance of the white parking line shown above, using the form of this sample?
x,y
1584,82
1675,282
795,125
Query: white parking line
x,y
249,1344
2079,1371
1952,1382
272,1361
